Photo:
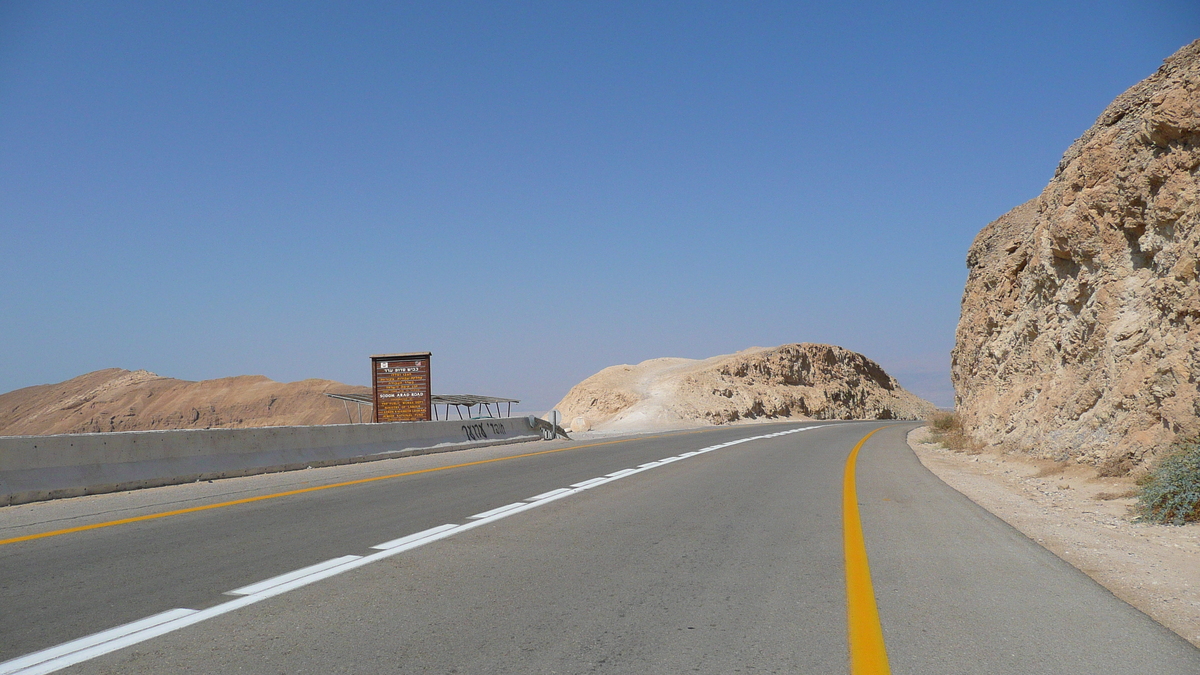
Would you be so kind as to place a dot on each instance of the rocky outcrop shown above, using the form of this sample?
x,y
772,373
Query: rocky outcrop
x,y
798,381
122,400
1080,326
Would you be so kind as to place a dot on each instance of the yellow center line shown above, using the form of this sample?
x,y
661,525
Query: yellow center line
x,y
868,654
360,481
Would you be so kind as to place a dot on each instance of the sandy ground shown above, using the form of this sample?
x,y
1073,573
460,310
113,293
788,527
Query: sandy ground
x,y
1068,509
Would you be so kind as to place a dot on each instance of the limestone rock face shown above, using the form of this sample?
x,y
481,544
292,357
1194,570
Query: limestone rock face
x,y
122,400
798,381
1080,326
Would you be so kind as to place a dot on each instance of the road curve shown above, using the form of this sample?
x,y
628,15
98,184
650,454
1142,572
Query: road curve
x,y
720,562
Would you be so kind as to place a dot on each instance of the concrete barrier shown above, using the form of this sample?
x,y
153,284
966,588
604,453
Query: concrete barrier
x,y
35,468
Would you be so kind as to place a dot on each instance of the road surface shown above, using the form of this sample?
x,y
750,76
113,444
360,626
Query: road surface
x,y
731,560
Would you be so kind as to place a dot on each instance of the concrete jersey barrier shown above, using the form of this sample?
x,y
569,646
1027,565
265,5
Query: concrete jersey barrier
x,y
35,468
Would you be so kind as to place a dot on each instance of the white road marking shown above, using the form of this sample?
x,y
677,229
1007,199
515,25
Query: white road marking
x,y
98,644
413,537
547,495
131,639
291,576
499,509
22,663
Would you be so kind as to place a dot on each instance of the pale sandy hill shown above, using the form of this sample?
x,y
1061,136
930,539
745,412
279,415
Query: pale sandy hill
x,y
797,381
122,400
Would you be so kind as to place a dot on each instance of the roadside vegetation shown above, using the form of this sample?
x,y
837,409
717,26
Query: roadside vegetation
x,y
947,430
1170,492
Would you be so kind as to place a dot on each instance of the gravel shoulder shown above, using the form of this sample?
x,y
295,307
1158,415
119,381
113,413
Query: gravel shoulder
x,y
1071,511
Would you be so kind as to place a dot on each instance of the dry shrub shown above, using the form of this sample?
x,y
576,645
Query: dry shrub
x,y
944,422
947,430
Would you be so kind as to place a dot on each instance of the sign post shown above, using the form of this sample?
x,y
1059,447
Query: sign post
x,y
400,387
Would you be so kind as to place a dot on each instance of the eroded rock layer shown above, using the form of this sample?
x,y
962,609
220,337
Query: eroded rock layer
x,y
123,400
1080,326
801,381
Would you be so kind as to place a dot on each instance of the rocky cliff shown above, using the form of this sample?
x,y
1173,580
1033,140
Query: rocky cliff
x,y
1080,326
798,381
123,400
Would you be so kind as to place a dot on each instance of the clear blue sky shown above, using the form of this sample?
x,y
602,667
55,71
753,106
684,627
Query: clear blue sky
x,y
531,191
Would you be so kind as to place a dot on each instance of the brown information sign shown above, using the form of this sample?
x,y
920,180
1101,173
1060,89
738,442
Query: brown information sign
x,y
400,385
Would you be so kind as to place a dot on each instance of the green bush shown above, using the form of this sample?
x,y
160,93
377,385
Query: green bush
x,y
1171,492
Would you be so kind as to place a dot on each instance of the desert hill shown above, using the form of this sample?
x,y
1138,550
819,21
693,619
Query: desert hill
x,y
1080,326
123,400
797,381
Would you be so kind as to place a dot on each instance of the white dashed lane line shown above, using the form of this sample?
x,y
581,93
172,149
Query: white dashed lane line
x,y
83,649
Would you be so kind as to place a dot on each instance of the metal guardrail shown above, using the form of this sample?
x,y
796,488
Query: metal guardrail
x,y
549,430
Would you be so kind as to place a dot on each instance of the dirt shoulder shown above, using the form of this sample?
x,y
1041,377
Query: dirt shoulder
x,y
1070,510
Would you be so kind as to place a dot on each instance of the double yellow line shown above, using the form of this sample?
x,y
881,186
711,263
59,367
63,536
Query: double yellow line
x,y
868,654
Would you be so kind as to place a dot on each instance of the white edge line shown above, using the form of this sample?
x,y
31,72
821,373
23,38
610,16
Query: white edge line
x,y
547,495
284,578
73,646
417,543
413,537
86,648
499,509
140,636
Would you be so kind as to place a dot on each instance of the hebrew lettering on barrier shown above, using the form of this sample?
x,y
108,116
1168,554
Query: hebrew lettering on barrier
x,y
474,432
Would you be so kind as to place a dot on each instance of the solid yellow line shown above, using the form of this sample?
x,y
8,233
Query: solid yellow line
x,y
248,500
868,654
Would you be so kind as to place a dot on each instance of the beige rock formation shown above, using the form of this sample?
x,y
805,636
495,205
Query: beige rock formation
x,y
798,381
1080,326
122,400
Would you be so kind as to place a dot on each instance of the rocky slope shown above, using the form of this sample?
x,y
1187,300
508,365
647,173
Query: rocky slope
x,y
800,381
122,400
1080,326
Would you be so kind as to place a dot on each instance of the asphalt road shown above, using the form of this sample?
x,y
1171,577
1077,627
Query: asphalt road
x,y
723,562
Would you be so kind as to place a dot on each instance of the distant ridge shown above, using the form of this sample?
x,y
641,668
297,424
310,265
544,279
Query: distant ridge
x,y
121,400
